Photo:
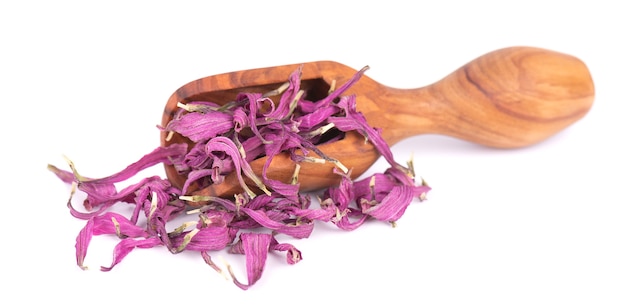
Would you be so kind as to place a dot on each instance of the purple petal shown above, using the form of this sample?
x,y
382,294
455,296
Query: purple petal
x,y
205,239
317,117
298,231
293,254
65,176
240,119
196,175
351,220
105,195
254,100
255,246
125,246
114,223
200,127
108,223
392,207
158,155
355,120
338,92
324,214
287,97
197,158
82,243
241,165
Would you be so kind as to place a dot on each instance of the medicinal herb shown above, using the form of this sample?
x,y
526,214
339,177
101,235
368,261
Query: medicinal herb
x,y
226,137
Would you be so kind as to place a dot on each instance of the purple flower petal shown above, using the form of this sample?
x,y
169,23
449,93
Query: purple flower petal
x,y
255,246
204,239
296,230
117,224
159,155
293,254
254,100
82,243
287,97
241,165
339,91
196,158
196,175
240,119
355,120
125,246
200,127
107,223
391,207
316,118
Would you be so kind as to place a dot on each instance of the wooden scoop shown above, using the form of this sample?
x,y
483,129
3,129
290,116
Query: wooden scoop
x,y
508,98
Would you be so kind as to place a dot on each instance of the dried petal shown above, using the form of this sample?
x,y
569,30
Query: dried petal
x,y
200,127
82,243
241,165
293,254
114,223
288,97
205,239
107,223
391,207
298,231
255,246
124,247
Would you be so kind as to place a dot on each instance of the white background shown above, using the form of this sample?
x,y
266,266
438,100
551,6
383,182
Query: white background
x,y
539,226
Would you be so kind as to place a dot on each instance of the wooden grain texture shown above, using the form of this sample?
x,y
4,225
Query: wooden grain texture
x,y
508,98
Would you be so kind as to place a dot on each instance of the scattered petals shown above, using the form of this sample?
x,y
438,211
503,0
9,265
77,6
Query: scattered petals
x,y
226,138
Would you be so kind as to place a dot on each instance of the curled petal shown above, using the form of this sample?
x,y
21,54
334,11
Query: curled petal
x,y
289,97
317,117
355,120
338,92
241,165
293,254
299,231
254,99
159,155
346,223
200,127
82,243
205,239
392,207
256,247
196,175
124,247
117,224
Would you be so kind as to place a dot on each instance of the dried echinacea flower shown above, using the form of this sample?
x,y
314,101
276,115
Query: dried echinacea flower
x,y
226,137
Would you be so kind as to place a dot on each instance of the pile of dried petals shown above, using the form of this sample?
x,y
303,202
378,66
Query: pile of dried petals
x,y
246,224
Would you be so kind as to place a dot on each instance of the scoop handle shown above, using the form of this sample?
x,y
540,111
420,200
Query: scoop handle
x,y
508,98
